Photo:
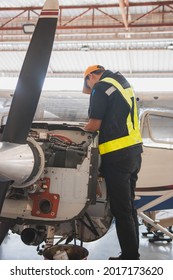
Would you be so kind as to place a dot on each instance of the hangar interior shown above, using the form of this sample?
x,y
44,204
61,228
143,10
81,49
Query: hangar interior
x,y
133,37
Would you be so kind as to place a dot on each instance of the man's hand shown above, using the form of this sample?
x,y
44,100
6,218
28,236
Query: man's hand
x,y
93,125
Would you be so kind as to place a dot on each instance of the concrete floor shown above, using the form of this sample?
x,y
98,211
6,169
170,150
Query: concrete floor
x,y
13,248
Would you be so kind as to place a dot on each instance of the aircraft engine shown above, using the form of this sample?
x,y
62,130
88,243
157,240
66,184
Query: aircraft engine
x,y
63,190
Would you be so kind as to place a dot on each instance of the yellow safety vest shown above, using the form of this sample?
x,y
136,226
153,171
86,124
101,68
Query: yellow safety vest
x,y
134,135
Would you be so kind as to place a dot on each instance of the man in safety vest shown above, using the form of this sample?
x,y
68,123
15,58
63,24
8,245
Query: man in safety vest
x,y
113,112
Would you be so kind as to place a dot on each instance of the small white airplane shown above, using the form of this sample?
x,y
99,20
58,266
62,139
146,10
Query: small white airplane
x,y
49,181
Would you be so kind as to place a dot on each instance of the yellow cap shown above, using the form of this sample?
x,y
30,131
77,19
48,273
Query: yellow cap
x,y
88,71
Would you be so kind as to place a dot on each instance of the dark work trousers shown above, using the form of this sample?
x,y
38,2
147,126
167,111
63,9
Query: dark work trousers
x,y
121,177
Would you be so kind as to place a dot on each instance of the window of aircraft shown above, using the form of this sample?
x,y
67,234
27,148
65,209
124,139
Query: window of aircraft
x,y
157,129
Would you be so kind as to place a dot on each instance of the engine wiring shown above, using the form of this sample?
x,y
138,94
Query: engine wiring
x,y
60,139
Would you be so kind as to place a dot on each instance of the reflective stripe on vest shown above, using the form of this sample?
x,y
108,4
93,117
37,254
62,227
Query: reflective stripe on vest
x,y
134,136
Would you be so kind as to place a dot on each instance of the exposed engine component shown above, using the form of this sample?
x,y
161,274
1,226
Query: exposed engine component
x,y
63,145
45,204
33,236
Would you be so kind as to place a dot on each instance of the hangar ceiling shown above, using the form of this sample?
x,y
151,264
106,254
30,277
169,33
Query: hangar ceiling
x,y
134,37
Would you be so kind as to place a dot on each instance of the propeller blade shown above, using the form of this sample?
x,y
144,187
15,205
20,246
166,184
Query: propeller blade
x,y
32,75
30,82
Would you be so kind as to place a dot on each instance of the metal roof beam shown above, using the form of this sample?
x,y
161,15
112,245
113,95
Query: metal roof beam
x,y
149,25
90,23
64,7
124,12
